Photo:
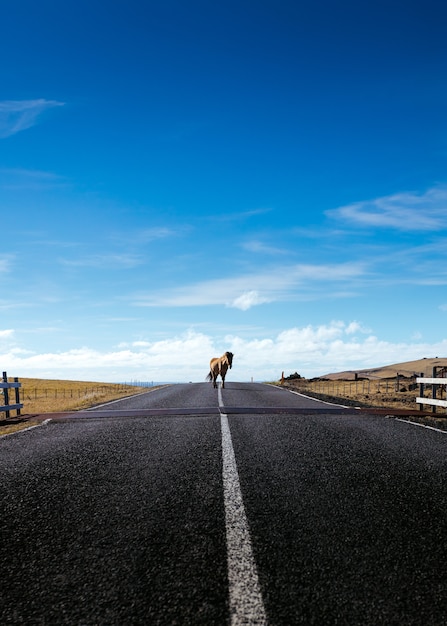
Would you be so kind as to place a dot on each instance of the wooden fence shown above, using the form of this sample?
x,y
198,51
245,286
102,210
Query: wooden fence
x,y
7,407
436,385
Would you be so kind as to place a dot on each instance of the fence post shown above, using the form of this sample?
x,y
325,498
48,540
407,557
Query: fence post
x,y
434,389
6,394
16,380
421,392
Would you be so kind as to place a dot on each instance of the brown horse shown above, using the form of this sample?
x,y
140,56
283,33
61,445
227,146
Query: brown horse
x,y
219,366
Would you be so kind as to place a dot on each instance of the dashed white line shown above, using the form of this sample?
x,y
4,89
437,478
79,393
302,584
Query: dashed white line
x,y
246,604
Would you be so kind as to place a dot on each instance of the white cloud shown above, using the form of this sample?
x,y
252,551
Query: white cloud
x,y
247,300
172,359
355,327
105,261
6,334
148,235
402,211
309,350
280,283
5,264
262,248
241,216
18,115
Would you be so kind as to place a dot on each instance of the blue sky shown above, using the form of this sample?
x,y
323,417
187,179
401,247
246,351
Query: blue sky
x,y
178,179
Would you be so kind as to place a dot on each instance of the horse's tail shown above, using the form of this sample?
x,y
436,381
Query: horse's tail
x,y
210,376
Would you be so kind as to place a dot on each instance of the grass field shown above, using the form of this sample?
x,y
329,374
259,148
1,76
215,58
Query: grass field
x,y
389,395
41,396
49,396
377,393
386,387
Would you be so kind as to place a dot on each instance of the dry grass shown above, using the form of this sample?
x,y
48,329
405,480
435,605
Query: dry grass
x,y
378,387
13,428
380,394
41,396
50,396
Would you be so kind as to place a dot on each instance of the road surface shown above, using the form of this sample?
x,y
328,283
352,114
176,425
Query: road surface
x,y
247,505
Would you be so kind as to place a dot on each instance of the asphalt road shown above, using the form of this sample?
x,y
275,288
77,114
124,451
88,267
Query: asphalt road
x,y
190,505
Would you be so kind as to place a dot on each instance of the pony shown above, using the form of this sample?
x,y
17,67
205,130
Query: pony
x,y
219,366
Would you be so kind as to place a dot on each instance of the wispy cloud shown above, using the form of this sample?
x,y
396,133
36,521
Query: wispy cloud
x,y
18,115
261,248
243,292
241,216
247,300
157,232
5,263
415,264
149,235
105,261
402,211
18,178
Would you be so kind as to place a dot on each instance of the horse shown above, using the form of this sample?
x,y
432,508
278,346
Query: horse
x,y
219,366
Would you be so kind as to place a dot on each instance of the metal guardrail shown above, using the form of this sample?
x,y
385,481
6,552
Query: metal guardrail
x,y
6,386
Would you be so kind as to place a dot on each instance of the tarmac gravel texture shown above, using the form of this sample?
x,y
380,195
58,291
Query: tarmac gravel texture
x,y
121,521
348,518
114,523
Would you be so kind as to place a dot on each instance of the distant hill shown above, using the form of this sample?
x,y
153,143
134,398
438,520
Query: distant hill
x,y
407,368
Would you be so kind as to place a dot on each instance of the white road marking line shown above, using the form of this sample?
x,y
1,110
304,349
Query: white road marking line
x,y
297,393
246,604
438,430
24,430
219,397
